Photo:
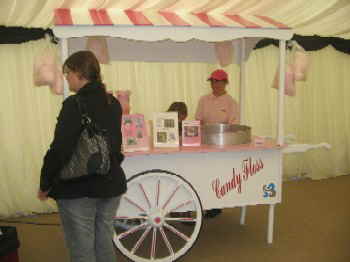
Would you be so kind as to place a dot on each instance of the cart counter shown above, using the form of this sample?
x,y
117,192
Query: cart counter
x,y
222,176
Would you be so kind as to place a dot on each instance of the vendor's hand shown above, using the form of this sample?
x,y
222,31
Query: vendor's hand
x,y
43,196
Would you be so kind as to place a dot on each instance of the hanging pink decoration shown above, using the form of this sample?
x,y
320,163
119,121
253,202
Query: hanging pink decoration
x,y
301,65
98,45
224,52
289,81
46,72
124,98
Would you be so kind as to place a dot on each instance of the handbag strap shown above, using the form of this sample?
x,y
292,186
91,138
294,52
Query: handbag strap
x,y
85,119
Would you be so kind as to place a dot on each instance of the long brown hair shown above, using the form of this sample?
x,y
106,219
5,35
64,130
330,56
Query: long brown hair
x,y
86,64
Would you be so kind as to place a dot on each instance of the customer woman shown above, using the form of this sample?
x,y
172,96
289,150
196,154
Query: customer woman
x,y
86,206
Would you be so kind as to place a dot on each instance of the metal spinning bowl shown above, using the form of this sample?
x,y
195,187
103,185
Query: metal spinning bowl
x,y
225,134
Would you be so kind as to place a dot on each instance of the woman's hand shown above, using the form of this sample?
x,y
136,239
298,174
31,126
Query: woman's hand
x,y
43,196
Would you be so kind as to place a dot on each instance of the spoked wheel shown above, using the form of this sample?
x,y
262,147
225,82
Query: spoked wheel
x,y
153,222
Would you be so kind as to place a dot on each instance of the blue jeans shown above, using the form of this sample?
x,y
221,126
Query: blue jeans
x,y
88,228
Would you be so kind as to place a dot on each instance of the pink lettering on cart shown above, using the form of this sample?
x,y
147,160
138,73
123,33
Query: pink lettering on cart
x,y
249,169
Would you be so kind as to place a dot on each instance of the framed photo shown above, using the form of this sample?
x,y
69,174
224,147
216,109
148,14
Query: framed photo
x,y
135,135
191,133
166,129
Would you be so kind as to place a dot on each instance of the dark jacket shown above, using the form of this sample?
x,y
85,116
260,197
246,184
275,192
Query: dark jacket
x,y
67,132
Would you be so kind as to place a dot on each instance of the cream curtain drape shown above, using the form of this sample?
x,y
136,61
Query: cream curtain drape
x,y
317,17
27,118
319,112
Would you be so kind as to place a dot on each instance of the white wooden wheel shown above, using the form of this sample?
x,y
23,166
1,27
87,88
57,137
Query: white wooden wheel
x,y
159,217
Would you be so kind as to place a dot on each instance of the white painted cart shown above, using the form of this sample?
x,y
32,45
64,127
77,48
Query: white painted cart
x,y
163,185
153,222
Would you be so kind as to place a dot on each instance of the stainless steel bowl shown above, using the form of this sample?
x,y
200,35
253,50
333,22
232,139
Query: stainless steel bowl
x,y
225,134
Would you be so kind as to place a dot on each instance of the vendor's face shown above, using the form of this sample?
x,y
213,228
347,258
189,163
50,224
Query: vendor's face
x,y
73,79
218,87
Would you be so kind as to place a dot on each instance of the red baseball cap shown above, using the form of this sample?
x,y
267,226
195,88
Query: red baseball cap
x,y
219,75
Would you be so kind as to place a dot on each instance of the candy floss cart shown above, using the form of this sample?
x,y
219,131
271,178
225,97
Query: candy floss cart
x,y
160,216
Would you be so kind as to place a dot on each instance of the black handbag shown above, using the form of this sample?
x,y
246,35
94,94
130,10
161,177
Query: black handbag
x,y
92,154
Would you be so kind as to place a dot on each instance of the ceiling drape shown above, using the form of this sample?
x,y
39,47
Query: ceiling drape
x,y
317,17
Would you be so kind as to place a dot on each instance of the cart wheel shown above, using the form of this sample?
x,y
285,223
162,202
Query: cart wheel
x,y
152,221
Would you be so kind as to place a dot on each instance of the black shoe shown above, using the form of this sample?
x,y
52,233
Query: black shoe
x,y
213,213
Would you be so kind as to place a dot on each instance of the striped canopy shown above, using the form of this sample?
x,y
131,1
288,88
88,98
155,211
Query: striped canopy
x,y
154,25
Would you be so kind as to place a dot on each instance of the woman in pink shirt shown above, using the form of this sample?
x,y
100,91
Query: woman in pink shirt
x,y
218,106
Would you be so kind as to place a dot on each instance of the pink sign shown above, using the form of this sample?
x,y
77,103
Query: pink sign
x,y
135,137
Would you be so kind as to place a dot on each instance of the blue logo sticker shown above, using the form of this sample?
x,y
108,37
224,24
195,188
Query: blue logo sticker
x,y
269,190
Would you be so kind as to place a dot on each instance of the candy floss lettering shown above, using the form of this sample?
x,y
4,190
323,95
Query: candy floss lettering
x,y
249,168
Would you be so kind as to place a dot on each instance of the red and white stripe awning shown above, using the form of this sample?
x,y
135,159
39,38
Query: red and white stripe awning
x,y
113,22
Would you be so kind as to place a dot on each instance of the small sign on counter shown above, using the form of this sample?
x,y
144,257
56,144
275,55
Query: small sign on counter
x,y
135,135
191,133
258,140
165,129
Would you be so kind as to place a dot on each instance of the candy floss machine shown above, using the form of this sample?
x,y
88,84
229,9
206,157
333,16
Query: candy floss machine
x,y
225,134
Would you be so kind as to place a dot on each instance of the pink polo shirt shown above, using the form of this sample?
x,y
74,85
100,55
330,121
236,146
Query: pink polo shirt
x,y
217,109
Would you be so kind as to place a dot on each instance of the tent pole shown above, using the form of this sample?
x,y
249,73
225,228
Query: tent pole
x,y
242,83
280,106
64,56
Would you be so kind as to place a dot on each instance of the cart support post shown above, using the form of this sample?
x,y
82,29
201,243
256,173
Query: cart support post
x,y
243,214
270,223
64,56
242,83
281,87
